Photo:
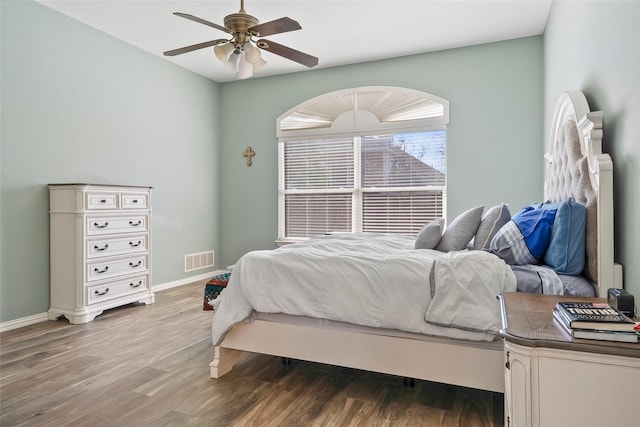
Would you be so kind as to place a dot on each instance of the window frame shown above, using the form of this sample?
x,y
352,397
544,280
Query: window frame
x,y
354,123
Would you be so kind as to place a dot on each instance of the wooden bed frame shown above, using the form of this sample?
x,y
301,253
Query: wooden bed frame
x,y
477,365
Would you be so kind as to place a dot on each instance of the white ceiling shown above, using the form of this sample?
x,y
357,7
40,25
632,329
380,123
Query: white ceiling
x,y
337,32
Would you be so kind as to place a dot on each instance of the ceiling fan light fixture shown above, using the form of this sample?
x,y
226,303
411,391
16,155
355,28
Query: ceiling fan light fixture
x,y
234,61
223,51
252,53
245,69
254,57
259,64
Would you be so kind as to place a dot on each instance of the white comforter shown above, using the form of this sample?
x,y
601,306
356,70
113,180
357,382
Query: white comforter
x,y
370,280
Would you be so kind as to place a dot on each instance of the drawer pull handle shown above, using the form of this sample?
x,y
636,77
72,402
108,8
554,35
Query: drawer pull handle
x,y
97,270
135,224
136,285
132,265
135,245
103,201
106,291
105,225
135,200
104,248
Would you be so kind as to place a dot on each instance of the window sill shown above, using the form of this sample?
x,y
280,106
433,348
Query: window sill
x,y
282,242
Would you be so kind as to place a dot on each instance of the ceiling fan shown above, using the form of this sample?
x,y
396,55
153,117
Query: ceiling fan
x,y
239,50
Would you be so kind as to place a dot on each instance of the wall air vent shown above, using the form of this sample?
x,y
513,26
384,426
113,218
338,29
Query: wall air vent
x,y
198,261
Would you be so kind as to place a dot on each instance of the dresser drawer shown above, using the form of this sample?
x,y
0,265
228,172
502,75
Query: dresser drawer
x,y
104,269
116,246
117,224
135,200
118,288
103,200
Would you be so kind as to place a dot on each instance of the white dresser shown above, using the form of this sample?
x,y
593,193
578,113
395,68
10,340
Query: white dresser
x,y
100,249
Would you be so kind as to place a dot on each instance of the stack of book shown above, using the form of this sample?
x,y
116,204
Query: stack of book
x,y
597,321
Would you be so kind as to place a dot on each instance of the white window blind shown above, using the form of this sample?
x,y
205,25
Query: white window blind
x,y
318,186
384,183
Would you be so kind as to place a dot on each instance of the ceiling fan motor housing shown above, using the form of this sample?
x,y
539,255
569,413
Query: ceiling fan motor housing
x,y
238,24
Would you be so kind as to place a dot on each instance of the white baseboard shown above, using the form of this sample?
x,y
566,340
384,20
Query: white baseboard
x,y
186,281
43,317
23,321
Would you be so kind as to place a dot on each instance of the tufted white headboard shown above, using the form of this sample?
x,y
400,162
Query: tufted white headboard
x,y
576,167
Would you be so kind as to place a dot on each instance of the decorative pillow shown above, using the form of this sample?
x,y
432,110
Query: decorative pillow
x,y
461,230
491,222
566,252
525,238
430,234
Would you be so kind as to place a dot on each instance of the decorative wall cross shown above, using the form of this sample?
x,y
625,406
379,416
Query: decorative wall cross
x,y
249,153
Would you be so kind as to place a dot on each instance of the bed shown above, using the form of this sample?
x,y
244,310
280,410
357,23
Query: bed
x,y
446,345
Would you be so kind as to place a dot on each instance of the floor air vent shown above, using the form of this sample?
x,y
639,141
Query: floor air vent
x,y
198,261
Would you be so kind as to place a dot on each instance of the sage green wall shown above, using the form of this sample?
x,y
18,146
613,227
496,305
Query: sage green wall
x,y
594,46
495,139
78,105
81,106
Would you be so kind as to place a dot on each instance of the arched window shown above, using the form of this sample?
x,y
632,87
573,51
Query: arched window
x,y
368,159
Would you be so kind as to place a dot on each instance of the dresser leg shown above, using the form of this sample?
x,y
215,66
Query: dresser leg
x,y
74,319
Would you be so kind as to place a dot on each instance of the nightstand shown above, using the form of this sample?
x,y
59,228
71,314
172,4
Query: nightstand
x,y
552,379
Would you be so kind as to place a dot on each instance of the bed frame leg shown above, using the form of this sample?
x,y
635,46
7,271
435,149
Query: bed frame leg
x,y
223,361
409,382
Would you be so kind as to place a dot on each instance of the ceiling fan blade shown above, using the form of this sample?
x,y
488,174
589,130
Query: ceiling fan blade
x,y
287,52
276,26
193,47
201,21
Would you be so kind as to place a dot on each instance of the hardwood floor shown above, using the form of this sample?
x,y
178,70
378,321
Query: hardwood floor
x,y
148,366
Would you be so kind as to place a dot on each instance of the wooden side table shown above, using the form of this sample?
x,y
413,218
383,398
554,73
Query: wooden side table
x,y
552,379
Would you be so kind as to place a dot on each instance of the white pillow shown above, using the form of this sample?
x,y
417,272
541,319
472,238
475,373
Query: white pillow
x,y
430,234
491,222
460,231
